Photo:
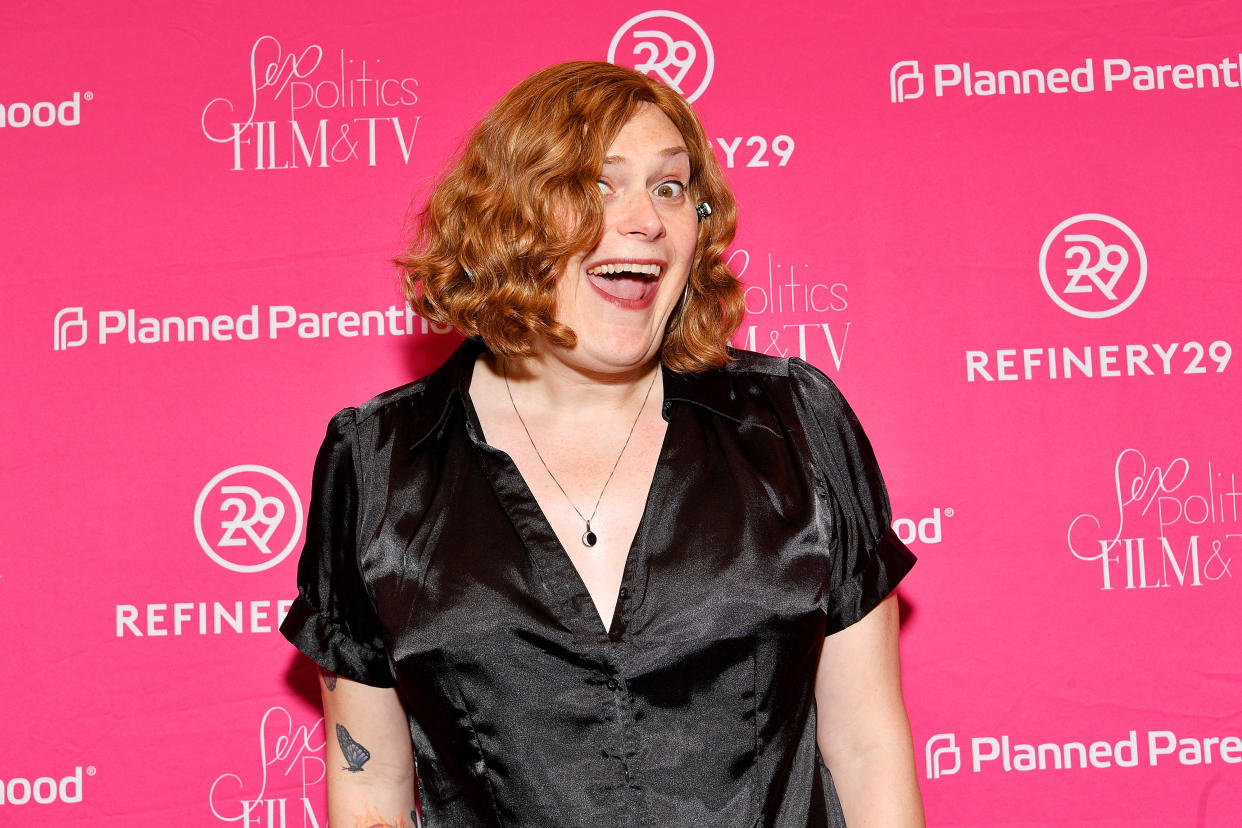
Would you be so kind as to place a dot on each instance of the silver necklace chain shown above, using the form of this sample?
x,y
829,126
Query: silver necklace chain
x,y
589,538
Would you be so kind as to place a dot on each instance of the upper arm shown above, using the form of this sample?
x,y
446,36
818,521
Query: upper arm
x,y
858,683
862,729
334,620
861,724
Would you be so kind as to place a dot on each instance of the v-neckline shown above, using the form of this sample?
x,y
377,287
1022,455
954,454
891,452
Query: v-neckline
x,y
538,536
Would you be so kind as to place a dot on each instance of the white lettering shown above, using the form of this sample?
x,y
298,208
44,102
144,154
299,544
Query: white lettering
x,y
1115,69
1190,563
977,363
256,616
729,149
1160,743
155,619
126,615
978,756
18,791
1004,364
110,322
19,114
1094,361
44,789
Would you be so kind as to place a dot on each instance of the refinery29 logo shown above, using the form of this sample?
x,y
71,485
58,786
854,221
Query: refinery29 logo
x,y
248,518
1092,265
668,46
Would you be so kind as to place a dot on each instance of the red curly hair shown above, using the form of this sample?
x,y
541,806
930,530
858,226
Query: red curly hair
x,y
491,241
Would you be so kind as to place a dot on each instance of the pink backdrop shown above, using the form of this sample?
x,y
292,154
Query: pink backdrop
x,y
1009,231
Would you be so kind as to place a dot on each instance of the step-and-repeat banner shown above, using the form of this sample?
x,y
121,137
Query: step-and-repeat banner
x,y
1009,231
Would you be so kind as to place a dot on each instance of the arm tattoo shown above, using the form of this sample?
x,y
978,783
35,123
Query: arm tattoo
x,y
370,820
355,754
329,679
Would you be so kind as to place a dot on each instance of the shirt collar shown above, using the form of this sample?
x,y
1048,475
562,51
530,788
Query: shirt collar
x,y
727,392
441,389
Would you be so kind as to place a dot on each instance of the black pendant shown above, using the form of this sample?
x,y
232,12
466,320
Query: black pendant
x,y
588,537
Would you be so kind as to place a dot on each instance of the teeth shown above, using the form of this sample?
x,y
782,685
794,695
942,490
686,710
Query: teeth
x,y
625,267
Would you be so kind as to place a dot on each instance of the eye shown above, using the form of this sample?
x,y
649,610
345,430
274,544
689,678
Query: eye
x,y
604,187
670,189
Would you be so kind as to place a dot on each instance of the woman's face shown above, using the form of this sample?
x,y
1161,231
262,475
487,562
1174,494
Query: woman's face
x,y
618,297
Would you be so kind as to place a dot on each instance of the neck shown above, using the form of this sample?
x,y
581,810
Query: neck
x,y
552,385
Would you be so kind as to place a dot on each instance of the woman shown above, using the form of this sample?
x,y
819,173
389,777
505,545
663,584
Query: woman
x,y
598,568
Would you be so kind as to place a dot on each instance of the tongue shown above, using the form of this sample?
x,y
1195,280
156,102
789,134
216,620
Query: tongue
x,y
622,287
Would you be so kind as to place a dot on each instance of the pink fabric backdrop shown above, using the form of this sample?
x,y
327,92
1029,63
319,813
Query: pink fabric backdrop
x,y
1009,231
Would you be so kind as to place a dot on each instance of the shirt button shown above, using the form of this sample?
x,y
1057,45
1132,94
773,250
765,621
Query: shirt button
x,y
625,593
612,684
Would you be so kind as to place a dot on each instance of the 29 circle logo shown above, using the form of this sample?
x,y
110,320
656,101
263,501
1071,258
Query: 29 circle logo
x,y
666,45
248,518
1093,265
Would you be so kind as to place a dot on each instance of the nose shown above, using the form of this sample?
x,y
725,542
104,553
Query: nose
x,y
638,217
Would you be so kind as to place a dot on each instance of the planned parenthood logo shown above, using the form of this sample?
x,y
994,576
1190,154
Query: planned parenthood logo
x,y
248,518
1093,266
982,80
905,81
68,328
943,758
1136,748
669,46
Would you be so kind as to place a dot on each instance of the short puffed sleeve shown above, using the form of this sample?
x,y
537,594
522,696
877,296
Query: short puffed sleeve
x,y
333,618
866,559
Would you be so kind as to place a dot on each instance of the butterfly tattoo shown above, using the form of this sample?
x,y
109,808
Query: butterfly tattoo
x,y
355,754
329,679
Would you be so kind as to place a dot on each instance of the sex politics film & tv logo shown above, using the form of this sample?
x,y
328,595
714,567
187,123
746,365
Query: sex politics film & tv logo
x,y
1092,266
668,46
310,106
248,518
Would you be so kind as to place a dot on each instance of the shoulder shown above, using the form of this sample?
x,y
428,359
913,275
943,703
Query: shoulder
x,y
800,394
751,362
776,394
395,402
790,369
787,377
409,412
403,395
427,397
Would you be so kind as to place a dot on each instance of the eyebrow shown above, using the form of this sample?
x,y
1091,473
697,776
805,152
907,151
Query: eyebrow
x,y
667,152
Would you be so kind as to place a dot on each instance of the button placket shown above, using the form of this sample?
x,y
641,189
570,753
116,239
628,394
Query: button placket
x,y
625,750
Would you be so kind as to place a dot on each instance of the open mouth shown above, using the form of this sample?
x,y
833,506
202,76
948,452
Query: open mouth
x,y
627,284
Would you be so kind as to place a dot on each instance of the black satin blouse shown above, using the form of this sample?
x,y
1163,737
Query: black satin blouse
x,y
429,566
